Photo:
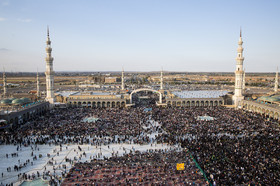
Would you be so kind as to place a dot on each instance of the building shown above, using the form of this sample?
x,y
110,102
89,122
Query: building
x,y
49,71
239,73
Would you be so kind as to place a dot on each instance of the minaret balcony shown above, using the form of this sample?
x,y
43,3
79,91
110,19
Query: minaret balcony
x,y
49,59
240,50
239,59
48,49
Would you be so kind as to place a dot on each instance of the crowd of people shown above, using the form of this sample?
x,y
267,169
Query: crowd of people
x,y
149,168
67,126
236,148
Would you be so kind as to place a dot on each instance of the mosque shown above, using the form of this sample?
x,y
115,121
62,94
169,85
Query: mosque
x,y
24,109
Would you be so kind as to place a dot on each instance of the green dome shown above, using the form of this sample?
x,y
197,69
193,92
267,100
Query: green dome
x,y
6,101
270,99
263,98
17,101
275,98
25,100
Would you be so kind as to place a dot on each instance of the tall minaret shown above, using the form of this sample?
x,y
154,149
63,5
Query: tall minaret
x,y
122,79
49,71
38,85
4,84
161,80
243,81
237,98
276,81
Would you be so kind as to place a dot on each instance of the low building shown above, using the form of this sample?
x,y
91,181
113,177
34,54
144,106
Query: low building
x,y
112,79
19,111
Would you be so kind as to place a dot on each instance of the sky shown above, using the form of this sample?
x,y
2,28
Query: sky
x,y
140,35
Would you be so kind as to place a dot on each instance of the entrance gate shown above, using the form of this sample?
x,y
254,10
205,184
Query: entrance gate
x,y
146,89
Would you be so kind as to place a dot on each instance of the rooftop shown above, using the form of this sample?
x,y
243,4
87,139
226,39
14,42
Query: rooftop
x,y
200,94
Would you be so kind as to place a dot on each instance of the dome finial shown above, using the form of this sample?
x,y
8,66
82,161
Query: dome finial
x,y
48,32
240,32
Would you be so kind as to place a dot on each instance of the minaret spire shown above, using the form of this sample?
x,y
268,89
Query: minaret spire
x,y
238,97
161,79
122,79
38,85
276,81
4,83
49,71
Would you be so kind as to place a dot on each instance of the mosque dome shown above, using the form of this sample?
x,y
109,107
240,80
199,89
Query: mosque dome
x,y
25,100
17,101
263,98
6,101
270,98
275,98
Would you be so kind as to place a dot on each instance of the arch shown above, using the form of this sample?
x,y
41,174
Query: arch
x,y
211,103
271,114
118,104
183,103
188,104
202,103
266,112
178,104
122,104
88,104
108,104
84,104
197,103
192,103
98,104
103,104
216,103
169,103
94,104
146,89
113,104
206,103
276,115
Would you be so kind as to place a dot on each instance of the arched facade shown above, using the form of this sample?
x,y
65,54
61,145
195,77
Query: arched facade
x,y
144,89
264,109
106,103
27,113
194,102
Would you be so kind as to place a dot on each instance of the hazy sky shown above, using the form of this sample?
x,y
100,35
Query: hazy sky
x,y
140,35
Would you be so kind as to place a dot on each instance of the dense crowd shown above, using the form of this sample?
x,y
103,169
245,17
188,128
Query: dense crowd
x,y
149,168
67,126
236,148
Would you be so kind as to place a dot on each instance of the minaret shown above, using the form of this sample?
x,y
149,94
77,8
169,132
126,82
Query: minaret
x,y
161,80
276,81
49,71
243,81
4,84
38,85
237,98
122,79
